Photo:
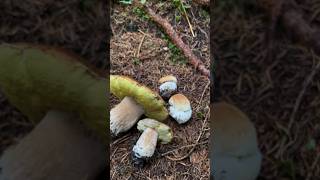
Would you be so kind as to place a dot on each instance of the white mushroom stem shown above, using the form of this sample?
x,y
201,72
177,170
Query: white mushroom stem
x,y
125,115
145,146
57,148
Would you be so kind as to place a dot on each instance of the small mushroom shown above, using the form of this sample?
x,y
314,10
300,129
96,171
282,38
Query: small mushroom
x,y
145,147
147,142
136,101
180,108
168,86
235,153
164,131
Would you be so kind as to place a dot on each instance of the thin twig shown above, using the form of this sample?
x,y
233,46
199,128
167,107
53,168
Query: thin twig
x,y
204,92
193,59
302,92
120,139
182,147
139,47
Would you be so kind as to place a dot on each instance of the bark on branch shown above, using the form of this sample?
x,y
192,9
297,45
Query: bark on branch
x,y
197,63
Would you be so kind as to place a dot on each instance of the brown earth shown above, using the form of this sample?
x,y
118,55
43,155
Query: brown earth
x,y
156,59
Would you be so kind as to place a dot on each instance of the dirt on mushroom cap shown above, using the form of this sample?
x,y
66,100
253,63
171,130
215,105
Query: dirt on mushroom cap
x,y
154,106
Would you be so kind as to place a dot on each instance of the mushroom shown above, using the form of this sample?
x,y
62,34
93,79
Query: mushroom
x,y
168,86
65,99
57,148
180,108
147,142
136,101
235,153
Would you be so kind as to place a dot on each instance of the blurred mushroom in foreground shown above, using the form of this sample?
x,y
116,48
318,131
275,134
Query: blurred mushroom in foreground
x,y
136,101
147,142
168,86
235,153
66,101
180,108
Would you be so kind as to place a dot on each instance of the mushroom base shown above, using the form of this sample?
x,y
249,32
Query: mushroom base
x,y
124,116
59,147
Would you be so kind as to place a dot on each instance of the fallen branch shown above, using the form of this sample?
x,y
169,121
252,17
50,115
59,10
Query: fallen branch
x,y
197,63
291,17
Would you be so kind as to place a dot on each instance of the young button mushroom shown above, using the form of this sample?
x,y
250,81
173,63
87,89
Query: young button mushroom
x,y
180,108
168,86
146,144
136,101
235,152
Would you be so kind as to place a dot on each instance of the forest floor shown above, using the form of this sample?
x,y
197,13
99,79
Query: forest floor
x,y
268,89
159,57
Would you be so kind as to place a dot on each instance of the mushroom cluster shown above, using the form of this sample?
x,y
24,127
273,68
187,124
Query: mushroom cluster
x,y
137,101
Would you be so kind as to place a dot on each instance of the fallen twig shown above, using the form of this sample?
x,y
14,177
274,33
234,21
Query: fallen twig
x,y
197,63
182,147
197,142
302,92
137,54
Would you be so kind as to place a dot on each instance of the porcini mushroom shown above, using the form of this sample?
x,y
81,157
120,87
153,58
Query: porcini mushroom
x,y
66,100
153,131
168,86
136,101
235,153
180,108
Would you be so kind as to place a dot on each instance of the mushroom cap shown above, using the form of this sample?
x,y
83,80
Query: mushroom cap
x,y
164,131
235,153
48,78
167,89
180,108
153,104
168,78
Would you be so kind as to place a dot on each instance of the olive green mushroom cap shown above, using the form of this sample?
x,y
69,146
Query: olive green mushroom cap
x,y
36,79
164,131
153,104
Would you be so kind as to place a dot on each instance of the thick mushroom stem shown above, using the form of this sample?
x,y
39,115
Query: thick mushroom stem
x,y
59,147
125,115
145,147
